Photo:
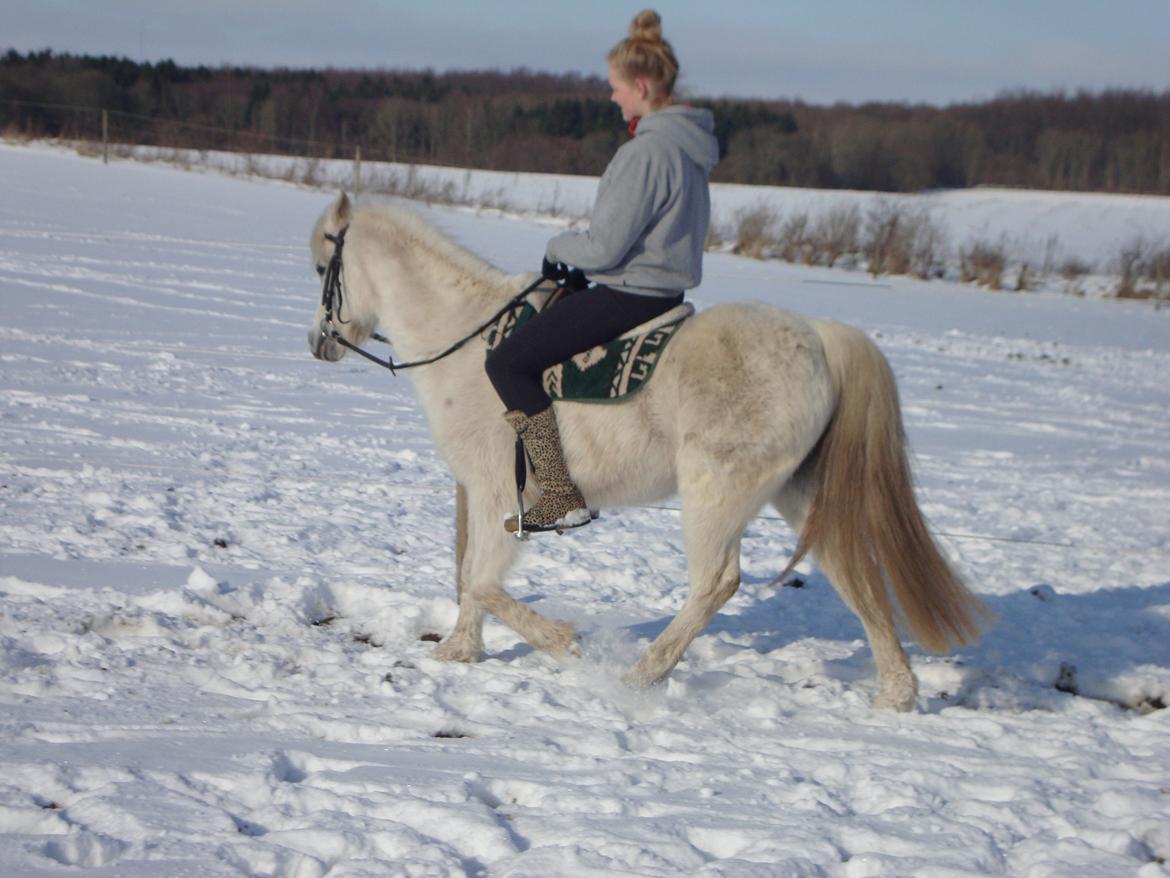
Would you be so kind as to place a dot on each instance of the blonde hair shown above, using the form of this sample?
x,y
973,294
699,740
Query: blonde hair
x,y
644,54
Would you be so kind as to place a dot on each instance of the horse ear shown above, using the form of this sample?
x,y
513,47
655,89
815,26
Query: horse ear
x,y
342,208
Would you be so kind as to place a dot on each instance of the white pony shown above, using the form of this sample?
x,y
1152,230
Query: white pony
x,y
749,405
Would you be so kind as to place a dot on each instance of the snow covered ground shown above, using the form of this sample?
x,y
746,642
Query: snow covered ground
x,y
222,565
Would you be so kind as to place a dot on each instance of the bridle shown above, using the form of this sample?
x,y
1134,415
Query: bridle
x,y
333,299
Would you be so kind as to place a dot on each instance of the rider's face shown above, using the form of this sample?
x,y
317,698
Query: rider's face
x,y
631,95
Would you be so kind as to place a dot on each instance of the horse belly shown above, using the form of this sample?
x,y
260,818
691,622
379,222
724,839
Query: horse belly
x,y
622,454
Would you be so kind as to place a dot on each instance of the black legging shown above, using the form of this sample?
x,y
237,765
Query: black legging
x,y
574,324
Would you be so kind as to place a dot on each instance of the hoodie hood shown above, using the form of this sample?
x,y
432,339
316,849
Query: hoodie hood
x,y
691,128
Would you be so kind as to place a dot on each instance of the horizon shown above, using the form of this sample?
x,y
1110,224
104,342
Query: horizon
x,y
904,51
1006,93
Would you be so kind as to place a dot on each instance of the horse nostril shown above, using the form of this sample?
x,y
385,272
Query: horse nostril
x,y
316,342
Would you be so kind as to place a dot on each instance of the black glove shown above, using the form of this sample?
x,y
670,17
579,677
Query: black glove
x,y
575,280
557,271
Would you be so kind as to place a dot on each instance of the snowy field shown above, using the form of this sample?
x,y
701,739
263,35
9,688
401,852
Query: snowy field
x,y
1043,229
223,564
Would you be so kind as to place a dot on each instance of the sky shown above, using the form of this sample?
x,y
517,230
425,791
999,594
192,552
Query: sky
x,y
931,51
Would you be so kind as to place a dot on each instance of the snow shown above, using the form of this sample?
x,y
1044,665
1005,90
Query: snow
x,y
222,566
1041,228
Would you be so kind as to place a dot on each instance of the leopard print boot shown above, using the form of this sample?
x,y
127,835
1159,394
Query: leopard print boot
x,y
561,505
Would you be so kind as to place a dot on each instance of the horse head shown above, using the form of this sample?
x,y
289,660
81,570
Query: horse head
x,y
340,310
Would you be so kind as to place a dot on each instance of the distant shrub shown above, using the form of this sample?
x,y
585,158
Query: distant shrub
x,y
793,239
885,245
1025,278
1158,270
835,234
753,227
1143,270
310,172
1073,271
13,133
1129,269
902,239
983,263
495,199
88,149
927,245
253,166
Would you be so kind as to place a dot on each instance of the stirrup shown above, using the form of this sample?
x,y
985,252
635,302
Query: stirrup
x,y
515,524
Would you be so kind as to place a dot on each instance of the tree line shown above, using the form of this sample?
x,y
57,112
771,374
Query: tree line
x,y
520,120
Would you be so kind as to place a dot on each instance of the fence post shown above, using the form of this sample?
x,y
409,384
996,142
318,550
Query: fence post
x,y
105,137
357,170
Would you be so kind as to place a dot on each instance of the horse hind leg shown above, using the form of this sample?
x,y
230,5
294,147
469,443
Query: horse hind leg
x,y
897,685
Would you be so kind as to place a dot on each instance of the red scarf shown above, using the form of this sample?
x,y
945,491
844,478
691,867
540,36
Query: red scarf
x,y
633,129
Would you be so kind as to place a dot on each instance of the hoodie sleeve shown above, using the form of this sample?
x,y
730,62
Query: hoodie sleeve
x,y
626,202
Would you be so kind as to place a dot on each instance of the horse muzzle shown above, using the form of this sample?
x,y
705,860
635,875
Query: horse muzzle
x,y
322,344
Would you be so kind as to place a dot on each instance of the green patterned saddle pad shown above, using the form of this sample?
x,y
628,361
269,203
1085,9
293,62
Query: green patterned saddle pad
x,y
609,372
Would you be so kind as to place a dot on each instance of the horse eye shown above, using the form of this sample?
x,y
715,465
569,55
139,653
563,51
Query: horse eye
x,y
320,271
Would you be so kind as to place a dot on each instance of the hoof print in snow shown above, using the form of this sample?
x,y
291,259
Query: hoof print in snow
x,y
1044,593
431,637
248,828
1149,704
1066,679
220,543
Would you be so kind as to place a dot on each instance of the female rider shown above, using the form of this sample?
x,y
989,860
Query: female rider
x,y
643,248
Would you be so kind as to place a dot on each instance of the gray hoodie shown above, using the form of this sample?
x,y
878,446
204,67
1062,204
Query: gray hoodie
x,y
650,218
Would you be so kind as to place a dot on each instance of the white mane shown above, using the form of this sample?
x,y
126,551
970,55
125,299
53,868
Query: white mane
x,y
411,230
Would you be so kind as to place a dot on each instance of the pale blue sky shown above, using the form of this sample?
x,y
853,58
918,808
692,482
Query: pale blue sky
x,y
937,51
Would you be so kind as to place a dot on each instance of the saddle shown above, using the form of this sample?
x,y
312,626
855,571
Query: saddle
x,y
609,372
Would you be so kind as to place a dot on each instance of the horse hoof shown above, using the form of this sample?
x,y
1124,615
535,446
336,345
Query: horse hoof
x,y
900,698
451,651
898,705
639,678
561,640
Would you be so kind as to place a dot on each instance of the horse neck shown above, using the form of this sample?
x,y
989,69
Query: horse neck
x,y
430,292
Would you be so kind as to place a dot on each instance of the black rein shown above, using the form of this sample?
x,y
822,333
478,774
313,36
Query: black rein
x,y
332,300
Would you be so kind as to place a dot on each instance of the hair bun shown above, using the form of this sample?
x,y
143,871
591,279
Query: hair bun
x,y
645,54
646,26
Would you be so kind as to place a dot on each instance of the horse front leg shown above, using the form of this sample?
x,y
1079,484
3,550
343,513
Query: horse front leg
x,y
712,525
460,538
710,588
490,552
466,641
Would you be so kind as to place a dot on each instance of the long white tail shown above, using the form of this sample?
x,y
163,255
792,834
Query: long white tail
x,y
864,513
